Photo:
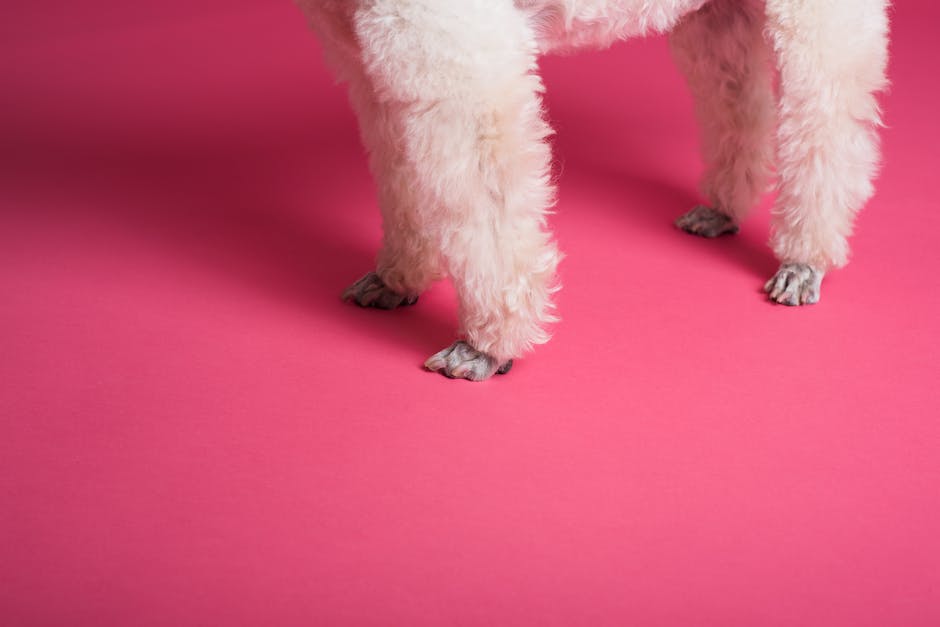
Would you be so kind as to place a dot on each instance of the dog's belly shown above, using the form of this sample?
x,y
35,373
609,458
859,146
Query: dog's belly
x,y
570,24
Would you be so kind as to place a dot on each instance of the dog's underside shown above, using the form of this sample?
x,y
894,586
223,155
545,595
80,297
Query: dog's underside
x,y
448,99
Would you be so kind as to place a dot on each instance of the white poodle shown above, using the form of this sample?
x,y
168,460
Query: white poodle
x,y
449,103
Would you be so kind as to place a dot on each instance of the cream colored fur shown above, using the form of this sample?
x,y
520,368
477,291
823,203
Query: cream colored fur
x,y
449,102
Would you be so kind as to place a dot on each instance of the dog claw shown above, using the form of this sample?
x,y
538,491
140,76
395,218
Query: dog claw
x,y
371,291
462,361
707,222
795,284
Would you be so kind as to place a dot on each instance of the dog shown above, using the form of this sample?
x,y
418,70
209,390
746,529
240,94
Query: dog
x,y
448,99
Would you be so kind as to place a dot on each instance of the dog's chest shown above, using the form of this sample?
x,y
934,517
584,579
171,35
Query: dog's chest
x,y
598,23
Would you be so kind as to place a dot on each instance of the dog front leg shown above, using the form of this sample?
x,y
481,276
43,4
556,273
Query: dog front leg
x,y
832,58
409,258
406,262
461,101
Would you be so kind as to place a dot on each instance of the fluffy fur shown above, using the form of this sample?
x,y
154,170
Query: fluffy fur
x,y
449,103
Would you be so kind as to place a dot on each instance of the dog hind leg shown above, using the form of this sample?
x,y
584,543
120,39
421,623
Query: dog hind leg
x,y
722,52
832,58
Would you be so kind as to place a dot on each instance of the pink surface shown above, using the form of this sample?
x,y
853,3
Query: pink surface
x,y
194,430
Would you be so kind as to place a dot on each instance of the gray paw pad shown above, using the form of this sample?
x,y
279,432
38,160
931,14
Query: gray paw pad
x,y
795,284
462,361
707,222
370,291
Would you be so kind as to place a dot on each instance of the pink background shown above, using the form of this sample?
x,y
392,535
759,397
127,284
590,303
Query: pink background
x,y
194,430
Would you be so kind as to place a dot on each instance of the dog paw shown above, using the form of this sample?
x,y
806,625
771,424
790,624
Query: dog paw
x,y
371,291
462,361
795,284
707,222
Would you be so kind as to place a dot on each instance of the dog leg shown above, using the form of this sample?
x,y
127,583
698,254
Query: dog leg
x,y
722,52
458,83
406,263
832,58
408,260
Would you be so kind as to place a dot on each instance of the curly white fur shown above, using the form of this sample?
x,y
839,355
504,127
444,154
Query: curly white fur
x,y
832,58
449,103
